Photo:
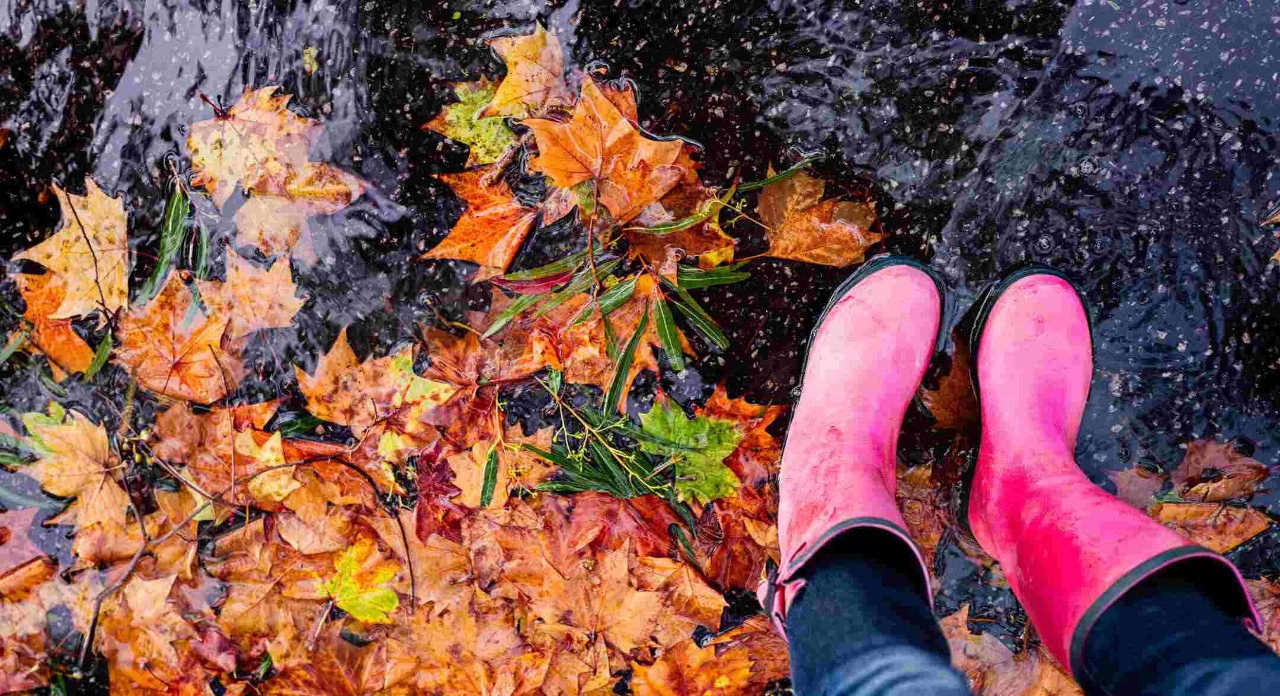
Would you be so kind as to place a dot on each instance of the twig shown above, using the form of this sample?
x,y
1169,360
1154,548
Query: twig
x,y
505,160
315,633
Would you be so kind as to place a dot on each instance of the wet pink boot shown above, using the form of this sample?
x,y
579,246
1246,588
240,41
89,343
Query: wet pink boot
x,y
868,354
1068,548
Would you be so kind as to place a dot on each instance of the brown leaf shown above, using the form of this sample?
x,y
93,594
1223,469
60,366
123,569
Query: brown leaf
x,y
535,75
1212,525
54,338
1213,471
492,228
990,667
954,406
1266,595
89,253
172,347
1137,485
804,227
922,510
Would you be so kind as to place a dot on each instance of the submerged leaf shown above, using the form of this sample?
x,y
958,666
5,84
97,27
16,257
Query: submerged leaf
x,y
804,227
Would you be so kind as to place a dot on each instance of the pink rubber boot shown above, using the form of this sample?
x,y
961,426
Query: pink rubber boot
x,y
867,357
1068,548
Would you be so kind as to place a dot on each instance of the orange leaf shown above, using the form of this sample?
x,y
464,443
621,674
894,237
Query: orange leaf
x,y
1214,526
1266,595
174,348
687,669
599,144
252,297
490,231
54,338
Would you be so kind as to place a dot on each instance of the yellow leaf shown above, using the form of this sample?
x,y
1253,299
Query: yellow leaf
x,y
535,75
360,586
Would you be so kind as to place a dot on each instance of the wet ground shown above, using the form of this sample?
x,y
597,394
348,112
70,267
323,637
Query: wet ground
x,y
1133,144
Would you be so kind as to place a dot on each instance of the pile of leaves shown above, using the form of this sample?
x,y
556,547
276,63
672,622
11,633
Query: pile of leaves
x,y
406,533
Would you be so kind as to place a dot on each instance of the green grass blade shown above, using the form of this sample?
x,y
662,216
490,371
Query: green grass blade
x,y
99,357
568,263
700,320
691,278
578,285
13,345
517,307
753,185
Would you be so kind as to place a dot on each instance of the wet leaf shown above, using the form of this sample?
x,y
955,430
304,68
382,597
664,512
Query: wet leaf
x,y
1266,596
1213,471
701,474
89,254
802,226
172,347
54,338
487,138
1212,525
1137,485
953,405
252,298
490,231
535,75
360,585
687,669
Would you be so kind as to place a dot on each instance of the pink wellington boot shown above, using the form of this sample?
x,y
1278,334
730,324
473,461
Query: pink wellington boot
x,y
867,356
1068,548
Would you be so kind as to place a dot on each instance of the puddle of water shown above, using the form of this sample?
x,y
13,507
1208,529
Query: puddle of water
x,y
1135,147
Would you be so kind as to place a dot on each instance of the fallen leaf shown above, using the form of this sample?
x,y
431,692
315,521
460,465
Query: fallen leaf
x,y
1214,471
172,347
953,405
360,585
253,298
89,253
801,226
535,75
490,231
989,666
16,548
54,338
1137,485
687,669
1266,596
258,143
599,144
701,445
1215,526
922,510
486,138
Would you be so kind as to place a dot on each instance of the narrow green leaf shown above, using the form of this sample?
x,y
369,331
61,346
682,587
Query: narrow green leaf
x,y
682,540
618,385
517,306
172,232
568,263
708,211
669,334
610,300
700,320
490,477
201,265
99,357
691,278
14,344
578,285
753,185
555,456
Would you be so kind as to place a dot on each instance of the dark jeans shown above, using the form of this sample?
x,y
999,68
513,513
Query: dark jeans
x,y
862,626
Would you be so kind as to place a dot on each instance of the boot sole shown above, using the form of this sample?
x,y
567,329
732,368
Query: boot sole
x,y
971,327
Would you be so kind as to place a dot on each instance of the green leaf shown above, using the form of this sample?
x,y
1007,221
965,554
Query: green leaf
x,y
610,300
488,138
699,319
568,263
669,334
691,278
490,476
753,185
172,231
517,306
99,357
618,385
709,210
13,345
583,280
701,474
360,586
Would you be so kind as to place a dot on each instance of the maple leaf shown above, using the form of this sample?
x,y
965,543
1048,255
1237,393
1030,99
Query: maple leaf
x,y
701,445
767,650
1217,527
922,510
535,75
206,443
17,552
26,649
704,240
608,523
801,226
1213,471
253,298
686,590
624,615
360,585
279,224
76,462
435,511
54,338
687,669
486,138
258,143
490,231
89,253
735,539
1137,485
599,144
172,347
513,467
441,568
359,394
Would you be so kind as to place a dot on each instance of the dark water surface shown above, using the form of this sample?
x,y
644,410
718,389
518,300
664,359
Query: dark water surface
x,y
1131,143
